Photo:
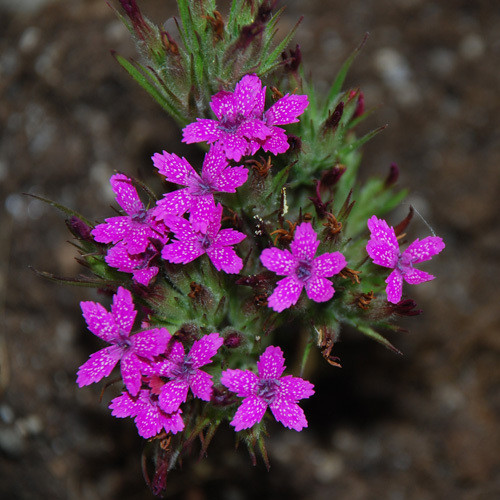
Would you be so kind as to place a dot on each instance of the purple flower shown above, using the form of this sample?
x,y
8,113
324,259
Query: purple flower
x,y
302,269
136,229
196,237
133,351
139,265
242,126
383,248
197,197
184,372
150,419
268,388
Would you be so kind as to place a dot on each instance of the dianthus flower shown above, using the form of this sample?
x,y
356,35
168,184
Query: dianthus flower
x,y
197,198
196,237
150,419
268,389
139,264
136,229
242,126
133,351
302,269
184,372
383,248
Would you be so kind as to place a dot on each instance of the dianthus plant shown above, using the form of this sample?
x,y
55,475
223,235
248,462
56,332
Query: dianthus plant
x,y
269,233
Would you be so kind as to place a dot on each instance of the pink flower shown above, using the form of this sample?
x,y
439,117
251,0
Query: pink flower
x,y
302,269
139,264
184,372
196,237
383,248
268,388
136,229
197,198
242,126
150,419
133,351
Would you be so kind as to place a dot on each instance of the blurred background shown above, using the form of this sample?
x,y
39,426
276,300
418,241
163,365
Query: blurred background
x,y
421,426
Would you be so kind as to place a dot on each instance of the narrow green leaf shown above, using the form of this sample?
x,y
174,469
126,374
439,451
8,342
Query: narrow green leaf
x,y
349,148
62,208
370,332
341,76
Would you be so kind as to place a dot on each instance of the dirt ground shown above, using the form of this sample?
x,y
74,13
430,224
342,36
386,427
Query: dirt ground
x,y
421,426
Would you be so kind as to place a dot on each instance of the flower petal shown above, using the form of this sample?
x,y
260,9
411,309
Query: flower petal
x,y
319,289
182,252
289,413
305,242
201,385
99,365
286,109
174,203
171,423
130,367
328,264
205,349
416,276
126,194
228,237
173,168
150,343
282,262
286,294
99,321
123,309
295,388
172,395
113,230
249,413
394,288
423,250
124,406
271,363
383,247
225,258
223,104
247,94
242,382
277,142
234,146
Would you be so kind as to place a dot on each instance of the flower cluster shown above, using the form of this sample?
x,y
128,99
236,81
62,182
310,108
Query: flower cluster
x,y
209,267
162,372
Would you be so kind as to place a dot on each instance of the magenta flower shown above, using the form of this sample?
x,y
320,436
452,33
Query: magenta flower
x,y
268,388
133,351
184,372
242,126
196,237
136,229
302,269
197,198
383,248
139,264
150,419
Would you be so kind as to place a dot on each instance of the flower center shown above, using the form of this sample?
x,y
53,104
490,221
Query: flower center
x,y
141,216
204,241
184,370
303,271
123,341
267,389
230,125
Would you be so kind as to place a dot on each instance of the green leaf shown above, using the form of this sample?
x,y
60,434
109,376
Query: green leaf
x,y
370,332
62,208
136,71
341,76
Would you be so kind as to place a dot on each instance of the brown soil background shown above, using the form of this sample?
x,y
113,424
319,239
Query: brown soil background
x,y
422,426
